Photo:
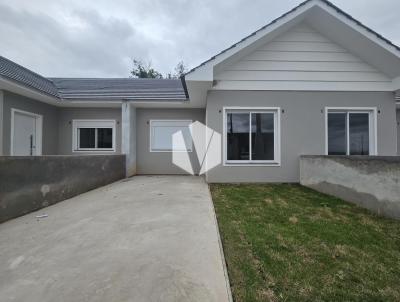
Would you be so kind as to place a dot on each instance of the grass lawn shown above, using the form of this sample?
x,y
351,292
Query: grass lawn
x,y
289,243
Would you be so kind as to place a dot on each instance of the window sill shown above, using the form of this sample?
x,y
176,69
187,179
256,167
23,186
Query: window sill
x,y
94,151
250,164
170,151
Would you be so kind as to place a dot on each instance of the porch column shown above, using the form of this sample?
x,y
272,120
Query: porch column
x,y
1,121
128,137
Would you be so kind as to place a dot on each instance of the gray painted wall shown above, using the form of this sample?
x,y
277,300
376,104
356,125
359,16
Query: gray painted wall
x,y
1,121
161,162
66,116
371,182
50,121
31,183
302,127
398,131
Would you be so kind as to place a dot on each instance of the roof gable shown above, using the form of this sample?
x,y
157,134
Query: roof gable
x,y
300,57
329,19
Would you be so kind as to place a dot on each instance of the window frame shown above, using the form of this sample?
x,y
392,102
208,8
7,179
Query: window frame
x,y
276,162
151,122
88,123
373,128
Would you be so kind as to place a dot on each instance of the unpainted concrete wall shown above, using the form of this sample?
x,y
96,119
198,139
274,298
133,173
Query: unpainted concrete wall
x,y
31,183
370,182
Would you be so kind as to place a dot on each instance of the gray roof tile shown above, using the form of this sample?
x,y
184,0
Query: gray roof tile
x,y
17,73
120,88
110,89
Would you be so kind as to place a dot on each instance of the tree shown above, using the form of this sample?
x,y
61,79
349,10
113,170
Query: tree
x,y
145,70
142,70
180,69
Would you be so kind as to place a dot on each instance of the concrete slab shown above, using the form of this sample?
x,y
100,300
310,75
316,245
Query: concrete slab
x,y
149,238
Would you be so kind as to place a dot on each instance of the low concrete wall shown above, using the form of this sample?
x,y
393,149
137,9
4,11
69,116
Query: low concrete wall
x,y
372,182
31,183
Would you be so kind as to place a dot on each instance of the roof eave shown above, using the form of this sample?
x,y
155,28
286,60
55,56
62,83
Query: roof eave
x,y
28,91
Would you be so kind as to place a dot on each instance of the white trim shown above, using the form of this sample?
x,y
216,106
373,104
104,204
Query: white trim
x,y
169,151
277,137
373,126
360,29
204,72
301,85
95,123
38,130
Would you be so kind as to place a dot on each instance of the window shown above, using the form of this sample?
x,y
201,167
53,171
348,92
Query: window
x,y
251,137
351,131
93,135
162,136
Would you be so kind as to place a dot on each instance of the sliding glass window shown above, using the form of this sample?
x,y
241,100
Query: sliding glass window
x,y
93,135
251,136
350,132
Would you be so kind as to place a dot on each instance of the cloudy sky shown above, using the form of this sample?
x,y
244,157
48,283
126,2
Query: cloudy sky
x,y
78,38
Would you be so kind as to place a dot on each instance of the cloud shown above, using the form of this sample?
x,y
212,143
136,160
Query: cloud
x,y
99,39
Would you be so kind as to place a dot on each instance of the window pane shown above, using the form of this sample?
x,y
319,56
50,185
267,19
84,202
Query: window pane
x,y
337,142
162,136
359,133
86,137
238,136
262,136
104,138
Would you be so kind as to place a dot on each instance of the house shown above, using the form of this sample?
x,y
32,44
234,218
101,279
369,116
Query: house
x,y
313,81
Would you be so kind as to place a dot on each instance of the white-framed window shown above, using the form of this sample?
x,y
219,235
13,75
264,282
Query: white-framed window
x,y
93,135
350,131
162,138
251,136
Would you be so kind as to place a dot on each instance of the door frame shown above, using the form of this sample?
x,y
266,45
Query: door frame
x,y
39,130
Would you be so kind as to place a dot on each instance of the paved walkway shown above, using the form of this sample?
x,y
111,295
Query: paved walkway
x,y
148,238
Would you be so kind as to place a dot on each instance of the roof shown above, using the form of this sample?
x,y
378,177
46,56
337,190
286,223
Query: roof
x,y
17,73
119,88
109,89
290,12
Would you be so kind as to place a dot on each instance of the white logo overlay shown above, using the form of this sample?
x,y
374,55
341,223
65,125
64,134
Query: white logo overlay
x,y
206,146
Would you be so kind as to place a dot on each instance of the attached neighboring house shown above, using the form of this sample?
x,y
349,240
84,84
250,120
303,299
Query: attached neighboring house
x,y
313,81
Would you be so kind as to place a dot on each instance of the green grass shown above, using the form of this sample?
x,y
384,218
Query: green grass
x,y
289,243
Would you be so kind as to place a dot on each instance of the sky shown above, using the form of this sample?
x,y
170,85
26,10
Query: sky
x,y
80,38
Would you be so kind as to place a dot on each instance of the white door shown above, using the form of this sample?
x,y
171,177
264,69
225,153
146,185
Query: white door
x,y
26,134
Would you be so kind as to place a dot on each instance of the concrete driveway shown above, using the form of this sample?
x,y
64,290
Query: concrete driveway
x,y
148,238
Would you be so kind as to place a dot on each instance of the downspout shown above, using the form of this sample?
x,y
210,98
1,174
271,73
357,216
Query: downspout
x,y
183,81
